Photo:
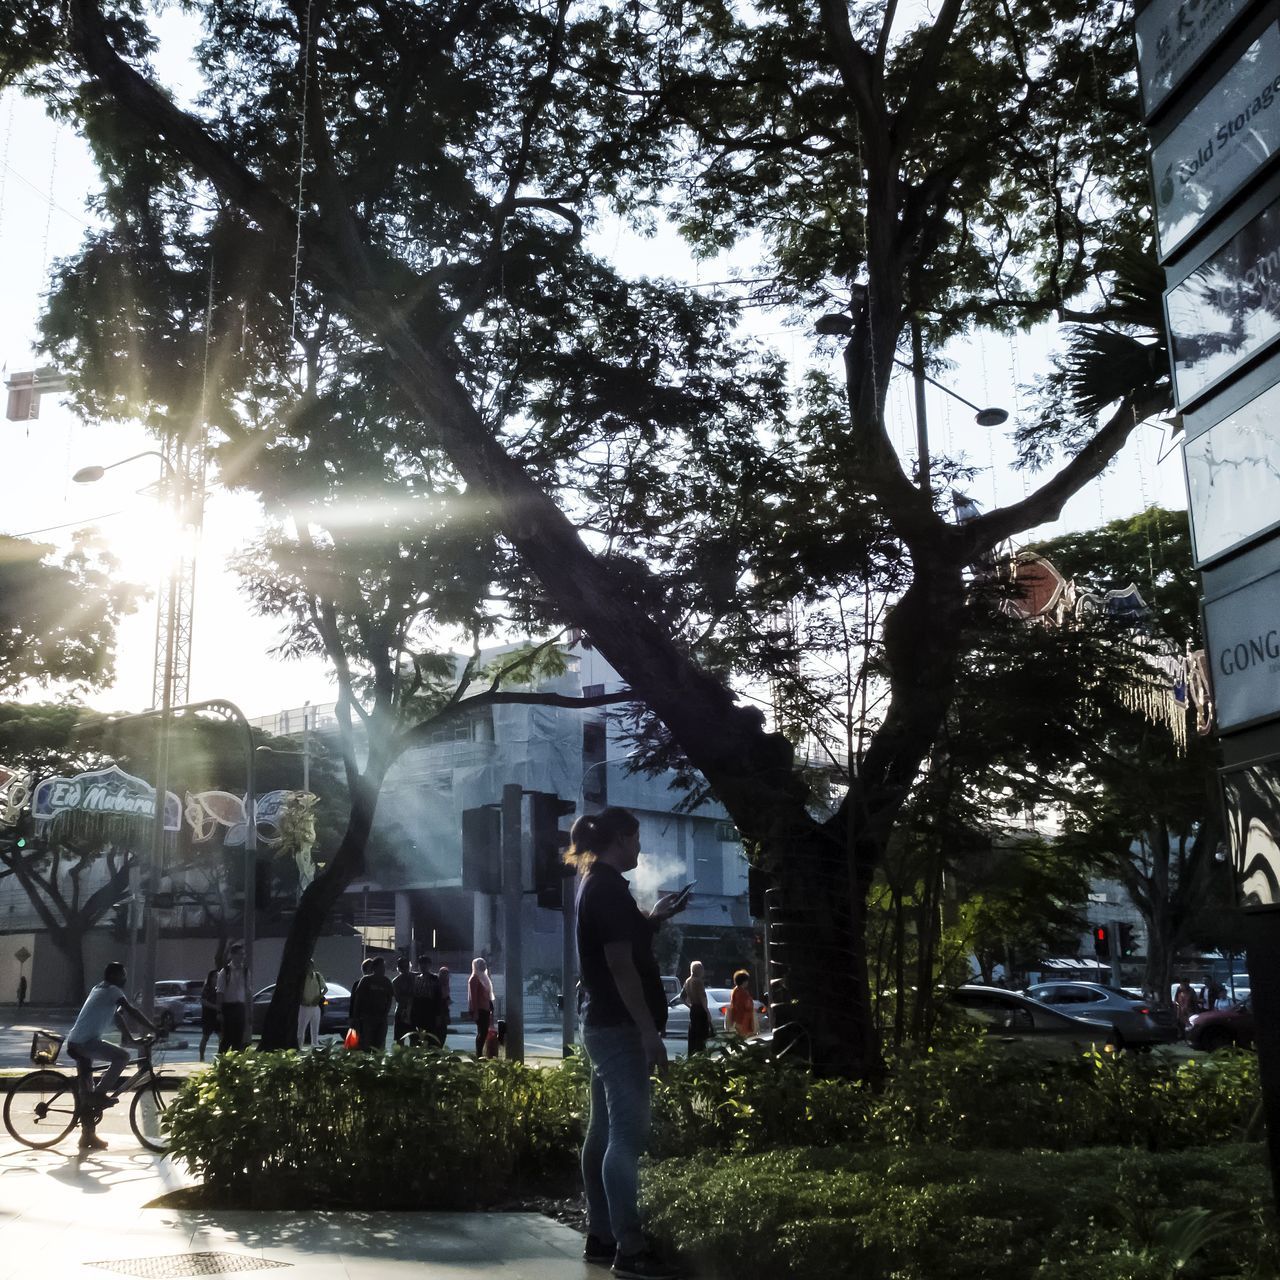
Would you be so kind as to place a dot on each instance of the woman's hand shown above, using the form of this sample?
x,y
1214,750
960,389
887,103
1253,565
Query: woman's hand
x,y
669,904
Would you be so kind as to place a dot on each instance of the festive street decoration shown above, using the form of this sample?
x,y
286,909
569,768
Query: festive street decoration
x,y
104,804
1038,593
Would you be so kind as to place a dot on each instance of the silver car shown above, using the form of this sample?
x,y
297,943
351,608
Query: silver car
x,y
1135,1020
1011,1019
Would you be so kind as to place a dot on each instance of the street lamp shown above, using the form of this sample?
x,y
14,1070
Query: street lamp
x,y
839,325
173,628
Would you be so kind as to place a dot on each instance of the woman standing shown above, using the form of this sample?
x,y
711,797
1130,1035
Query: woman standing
x,y
624,1013
480,1001
741,1017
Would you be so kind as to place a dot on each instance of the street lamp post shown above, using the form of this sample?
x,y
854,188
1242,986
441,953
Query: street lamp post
x,y
151,923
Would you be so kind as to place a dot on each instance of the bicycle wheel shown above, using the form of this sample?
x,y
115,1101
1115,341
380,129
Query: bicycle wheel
x,y
147,1111
41,1109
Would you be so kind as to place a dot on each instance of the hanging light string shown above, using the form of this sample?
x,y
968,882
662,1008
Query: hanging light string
x,y
302,159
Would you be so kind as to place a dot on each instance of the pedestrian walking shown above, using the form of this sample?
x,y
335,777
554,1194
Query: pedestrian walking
x,y
22,990
209,1021
694,994
624,1014
233,992
402,989
371,999
740,1017
425,1013
313,992
446,1004
480,1001
1185,1004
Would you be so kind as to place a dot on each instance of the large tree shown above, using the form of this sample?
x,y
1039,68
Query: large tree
x,y
979,168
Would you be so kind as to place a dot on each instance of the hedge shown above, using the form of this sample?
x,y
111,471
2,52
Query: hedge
x,y
880,1213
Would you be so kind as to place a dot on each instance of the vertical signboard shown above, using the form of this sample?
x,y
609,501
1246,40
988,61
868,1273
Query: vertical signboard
x,y
1215,98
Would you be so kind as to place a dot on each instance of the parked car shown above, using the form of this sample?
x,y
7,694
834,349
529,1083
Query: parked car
x,y
335,1013
170,1003
717,1004
1218,1028
1136,1021
1012,1019
192,1007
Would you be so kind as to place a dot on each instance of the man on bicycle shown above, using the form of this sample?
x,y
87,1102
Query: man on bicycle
x,y
85,1045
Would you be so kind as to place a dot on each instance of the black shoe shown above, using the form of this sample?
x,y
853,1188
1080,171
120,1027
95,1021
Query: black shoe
x,y
600,1252
103,1101
645,1266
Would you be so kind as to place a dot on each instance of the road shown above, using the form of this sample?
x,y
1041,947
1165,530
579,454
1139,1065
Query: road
x,y
541,1043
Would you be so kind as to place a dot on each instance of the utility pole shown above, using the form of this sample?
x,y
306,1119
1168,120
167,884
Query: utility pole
x,y
922,424
512,916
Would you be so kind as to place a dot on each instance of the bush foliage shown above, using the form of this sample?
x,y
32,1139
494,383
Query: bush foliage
x,y
969,1163
963,1095
882,1213
416,1128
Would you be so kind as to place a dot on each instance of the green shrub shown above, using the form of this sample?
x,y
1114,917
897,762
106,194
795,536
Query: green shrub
x,y
886,1214
414,1128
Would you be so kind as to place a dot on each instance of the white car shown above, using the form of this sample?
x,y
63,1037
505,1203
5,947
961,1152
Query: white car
x,y
718,1004
170,1003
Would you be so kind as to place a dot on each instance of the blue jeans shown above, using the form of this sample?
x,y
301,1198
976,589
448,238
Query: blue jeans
x,y
616,1134
83,1054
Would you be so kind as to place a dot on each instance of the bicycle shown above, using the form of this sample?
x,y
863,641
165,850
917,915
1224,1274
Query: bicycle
x,y
44,1105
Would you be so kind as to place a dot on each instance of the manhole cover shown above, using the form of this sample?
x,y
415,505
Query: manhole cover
x,y
171,1266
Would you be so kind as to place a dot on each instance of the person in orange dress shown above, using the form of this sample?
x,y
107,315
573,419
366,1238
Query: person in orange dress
x,y
741,1015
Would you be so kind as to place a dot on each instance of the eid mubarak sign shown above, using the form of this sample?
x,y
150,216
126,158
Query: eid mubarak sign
x,y
1220,144
105,793
1173,36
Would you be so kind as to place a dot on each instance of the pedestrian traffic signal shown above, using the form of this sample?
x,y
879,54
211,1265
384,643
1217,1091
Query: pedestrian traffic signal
x,y
1128,944
1102,942
549,843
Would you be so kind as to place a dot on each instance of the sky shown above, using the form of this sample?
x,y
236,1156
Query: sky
x,y
45,172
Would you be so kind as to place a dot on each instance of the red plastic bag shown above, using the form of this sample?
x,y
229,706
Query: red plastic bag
x,y
352,1039
491,1043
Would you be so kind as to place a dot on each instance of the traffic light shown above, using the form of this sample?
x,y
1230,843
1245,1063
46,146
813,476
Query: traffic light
x,y
549,842
482,850
1128,944
1102,942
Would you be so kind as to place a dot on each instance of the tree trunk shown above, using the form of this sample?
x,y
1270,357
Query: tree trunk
x,y
280,1029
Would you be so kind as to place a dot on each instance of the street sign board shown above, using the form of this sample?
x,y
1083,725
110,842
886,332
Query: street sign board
x,y
1233,477
1174,36
1244,649
1219,144
1227,309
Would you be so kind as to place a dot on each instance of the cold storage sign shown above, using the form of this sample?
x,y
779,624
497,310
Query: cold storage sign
x,y
1229,134
1244,632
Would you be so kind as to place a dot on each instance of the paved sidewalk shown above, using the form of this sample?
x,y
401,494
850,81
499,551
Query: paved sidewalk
x,y
63,1217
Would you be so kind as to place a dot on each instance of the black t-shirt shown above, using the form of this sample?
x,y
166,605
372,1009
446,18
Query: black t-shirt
x,y
608,913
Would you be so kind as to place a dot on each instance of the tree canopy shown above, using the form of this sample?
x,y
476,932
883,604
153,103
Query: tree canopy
x,y
363,248
58,617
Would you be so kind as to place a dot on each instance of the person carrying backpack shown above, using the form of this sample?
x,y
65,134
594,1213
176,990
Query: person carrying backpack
x,y
371,1005
313,991
425,1010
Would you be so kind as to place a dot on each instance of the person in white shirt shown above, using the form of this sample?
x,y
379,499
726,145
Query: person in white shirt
x,y
85,1045
233,1000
